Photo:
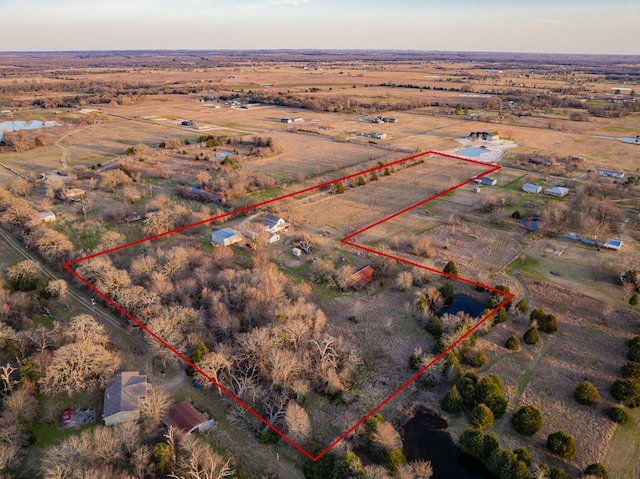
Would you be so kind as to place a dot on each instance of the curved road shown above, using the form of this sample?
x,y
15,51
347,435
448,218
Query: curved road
x,y
95,309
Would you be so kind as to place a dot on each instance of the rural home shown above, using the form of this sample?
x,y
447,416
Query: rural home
x,y
225,237
531,188
188,419
273,223
71,194
296,252
610,173
612,244
486,181
361,278
558,191
122,397
485,135
536,160
46,216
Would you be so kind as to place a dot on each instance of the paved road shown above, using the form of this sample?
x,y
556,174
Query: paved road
x,y
94,308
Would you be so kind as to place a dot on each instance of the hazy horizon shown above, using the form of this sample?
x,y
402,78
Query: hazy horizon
x,y
516,26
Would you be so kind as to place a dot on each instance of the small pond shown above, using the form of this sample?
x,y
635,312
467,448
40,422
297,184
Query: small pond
x,y
15,125
462,302
531,223
473,152
425,437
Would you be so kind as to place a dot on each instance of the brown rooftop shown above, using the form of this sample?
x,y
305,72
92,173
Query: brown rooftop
x,y
361,278
186,418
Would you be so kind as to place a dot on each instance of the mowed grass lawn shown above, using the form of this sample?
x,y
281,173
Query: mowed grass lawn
x,y
622,460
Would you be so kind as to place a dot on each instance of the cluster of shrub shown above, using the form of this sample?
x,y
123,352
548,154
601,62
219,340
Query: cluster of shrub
x,y
627,389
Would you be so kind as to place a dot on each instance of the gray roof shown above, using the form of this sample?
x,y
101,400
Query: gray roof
x,y
271,220
224,233
124,393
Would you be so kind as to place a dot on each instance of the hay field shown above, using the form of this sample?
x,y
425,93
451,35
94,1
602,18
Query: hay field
x,y
363,205
311,156
590,344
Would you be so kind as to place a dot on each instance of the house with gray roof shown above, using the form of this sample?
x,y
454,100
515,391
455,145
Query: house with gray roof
x,y
123,396
273,223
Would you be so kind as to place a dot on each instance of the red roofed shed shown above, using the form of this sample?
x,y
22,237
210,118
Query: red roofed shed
x,y
361,278
187,418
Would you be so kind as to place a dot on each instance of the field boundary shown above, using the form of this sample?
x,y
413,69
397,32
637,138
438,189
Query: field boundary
x,y
347,240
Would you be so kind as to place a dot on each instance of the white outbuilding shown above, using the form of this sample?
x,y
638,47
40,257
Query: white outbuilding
x,y
531,188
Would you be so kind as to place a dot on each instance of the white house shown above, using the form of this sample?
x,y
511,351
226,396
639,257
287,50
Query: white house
x,y
531,188
225,236
558,191
296,252
273,223
486,181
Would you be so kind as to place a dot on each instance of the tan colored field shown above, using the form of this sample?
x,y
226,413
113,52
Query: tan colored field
x,y
588,345
363,205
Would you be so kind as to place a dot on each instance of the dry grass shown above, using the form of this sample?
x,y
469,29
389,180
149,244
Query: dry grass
x,y
544,375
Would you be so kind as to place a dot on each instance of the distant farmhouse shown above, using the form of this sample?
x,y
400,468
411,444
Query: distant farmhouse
x,y
70,194
485,135
531,188
610,173
292,120
382,119
485,181
558,191
225,237
537,160
122,398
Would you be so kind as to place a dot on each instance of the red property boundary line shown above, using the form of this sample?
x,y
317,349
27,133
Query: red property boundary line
x,y
347,241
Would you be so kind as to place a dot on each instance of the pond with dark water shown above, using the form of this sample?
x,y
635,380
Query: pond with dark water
x,y
425,437
462,302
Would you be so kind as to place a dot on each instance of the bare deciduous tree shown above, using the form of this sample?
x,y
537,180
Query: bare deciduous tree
x,y
404,281
156,404
75,367
5,376
298,423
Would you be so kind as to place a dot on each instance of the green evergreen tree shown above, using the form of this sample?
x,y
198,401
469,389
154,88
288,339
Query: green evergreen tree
x,y
501,316
596,470
472,443
481,417
527,420
452,401
451,268
513,343
633,301
619,415
561,444
586,394
522,306
532,336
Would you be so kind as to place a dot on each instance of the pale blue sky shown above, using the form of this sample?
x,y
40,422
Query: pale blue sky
x,y
562,26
